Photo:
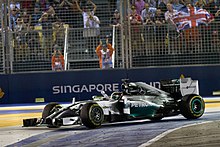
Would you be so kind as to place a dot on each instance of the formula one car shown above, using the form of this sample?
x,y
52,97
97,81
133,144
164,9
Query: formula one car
x,y
136,100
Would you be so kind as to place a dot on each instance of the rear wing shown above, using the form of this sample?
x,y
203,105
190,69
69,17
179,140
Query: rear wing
x,y
189,86
180,87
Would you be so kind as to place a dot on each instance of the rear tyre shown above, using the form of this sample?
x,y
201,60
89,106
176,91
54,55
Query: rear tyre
x,y
192,106
48,110
92,115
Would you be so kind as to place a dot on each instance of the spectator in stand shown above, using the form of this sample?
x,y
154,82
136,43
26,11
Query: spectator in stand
x,y
177,5
115,20
65,12
159,17
139,5
33,43
91,24
162,5
171,12
157,2
104,52
152,3
45,4
134,17
213,6
26,18
215,42
192,2
20,30
86,12
216,26
160,28
20,25
41,4
51,10
28,5
148,34
160,31
148,14
3,5
15,12
47,21
14,4
217,16
92,21
35,16
59,33
57,61
199,3
37,4
13,19
172,28
136,22
93,32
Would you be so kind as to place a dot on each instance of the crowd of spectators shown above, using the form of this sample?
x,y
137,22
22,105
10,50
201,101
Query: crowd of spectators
x,y
32,10
148,8
46,16
155,14
49,16
25,15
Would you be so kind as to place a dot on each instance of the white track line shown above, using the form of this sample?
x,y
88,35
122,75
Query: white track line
x,y
167,132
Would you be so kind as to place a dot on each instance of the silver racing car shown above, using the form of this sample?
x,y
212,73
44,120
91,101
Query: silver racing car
x,y
136,100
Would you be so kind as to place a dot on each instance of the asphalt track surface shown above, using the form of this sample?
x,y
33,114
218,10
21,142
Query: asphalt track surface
x,y
129,134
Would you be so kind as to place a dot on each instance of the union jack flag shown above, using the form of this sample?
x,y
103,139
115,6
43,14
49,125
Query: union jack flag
x,y
189,17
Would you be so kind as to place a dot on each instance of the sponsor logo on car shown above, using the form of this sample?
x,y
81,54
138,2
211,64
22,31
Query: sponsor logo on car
x,y
137,105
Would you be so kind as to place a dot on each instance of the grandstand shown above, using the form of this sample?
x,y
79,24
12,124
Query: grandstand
x,y
29,49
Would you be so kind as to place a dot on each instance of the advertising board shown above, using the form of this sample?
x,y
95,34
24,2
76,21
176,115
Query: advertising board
x,y
81,85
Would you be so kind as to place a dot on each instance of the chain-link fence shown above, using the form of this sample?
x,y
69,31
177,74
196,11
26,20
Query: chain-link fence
x,y
159,47
82,43
1,41
33,28
1,53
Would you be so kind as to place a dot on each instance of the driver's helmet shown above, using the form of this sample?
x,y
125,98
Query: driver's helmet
x,y
133,88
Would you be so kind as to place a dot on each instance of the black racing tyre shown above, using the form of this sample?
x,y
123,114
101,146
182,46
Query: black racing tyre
x,y
91,115
192,106
48,110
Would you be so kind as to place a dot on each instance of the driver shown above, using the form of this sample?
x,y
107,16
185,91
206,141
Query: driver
x,y
130,88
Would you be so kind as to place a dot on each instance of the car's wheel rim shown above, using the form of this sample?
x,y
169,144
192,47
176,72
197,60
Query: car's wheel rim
x,y
196,106
96,114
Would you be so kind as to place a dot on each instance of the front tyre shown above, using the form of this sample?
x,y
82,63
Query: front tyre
x,y
192,106
92,115
48,110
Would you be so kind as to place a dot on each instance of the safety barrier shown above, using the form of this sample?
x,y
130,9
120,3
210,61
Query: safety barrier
x,y
63,86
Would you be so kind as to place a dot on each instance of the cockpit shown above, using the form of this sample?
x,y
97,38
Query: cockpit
x,y
116,96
